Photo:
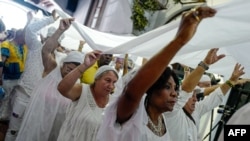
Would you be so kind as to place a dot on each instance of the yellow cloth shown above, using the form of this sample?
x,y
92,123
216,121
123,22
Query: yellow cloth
x,y
88,76
15,54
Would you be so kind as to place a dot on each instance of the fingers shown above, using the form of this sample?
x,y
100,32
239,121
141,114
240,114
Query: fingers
x,y
212,56
238,71
221,56
200,13
204,12
190,21
66,22
95,54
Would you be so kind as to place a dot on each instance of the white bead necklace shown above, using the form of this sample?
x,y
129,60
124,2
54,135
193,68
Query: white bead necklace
x,y
157,129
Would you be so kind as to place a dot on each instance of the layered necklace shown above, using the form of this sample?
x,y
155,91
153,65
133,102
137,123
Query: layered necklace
x,y
159,129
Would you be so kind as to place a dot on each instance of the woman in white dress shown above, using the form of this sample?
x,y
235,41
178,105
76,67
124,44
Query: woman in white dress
x,y
84,115
137,115
45,111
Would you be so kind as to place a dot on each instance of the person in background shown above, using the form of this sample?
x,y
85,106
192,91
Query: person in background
x,y
14,54
137,114
119,65
3,36
123,64
33,71
188,111
47,105
88,75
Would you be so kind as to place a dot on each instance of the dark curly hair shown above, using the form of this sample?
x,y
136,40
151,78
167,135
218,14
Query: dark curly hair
x,y
161,83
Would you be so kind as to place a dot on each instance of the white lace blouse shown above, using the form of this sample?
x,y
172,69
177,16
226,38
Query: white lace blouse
x,y
83,119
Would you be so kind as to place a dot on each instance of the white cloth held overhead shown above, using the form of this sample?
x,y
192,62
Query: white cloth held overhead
x,y
223,35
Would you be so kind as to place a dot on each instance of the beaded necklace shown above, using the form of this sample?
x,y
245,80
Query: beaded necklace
x,y
157,129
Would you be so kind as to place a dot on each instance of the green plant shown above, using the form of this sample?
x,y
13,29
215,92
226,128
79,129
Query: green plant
x,y
138,11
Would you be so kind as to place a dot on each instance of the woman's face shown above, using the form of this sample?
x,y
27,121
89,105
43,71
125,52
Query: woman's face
x,y
106,83
67,68
164,99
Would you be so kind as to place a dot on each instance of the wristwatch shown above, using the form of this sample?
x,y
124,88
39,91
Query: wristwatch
x,y
202,64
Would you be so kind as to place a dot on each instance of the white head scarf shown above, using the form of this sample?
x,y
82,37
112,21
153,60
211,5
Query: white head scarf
x,y
103,69
74,56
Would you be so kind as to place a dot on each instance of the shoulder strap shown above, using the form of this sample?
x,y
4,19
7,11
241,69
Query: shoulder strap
x,y
188,115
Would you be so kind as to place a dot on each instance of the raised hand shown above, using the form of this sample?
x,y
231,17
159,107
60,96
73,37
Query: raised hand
x,y
65,23
212,56
190,21
237,73
91,58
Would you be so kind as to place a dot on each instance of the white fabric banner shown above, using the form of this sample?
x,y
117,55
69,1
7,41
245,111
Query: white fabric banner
x,y
228,30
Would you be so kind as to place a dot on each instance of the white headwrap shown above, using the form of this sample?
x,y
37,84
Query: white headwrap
x,y
205,78
103,69
74,56
51,31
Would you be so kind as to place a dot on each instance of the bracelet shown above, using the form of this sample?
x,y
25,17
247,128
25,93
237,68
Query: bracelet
x,y
229,83
202,64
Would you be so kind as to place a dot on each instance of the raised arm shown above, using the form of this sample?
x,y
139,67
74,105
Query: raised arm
x,y
32,29
51,44
233,80
67,86
125,65
154,67
210,89
81,45
194,77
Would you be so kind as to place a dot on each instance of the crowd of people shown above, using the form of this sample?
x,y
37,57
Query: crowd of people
x,y
56,95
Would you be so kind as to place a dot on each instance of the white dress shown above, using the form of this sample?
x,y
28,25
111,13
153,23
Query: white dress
x,y
46,111
83,119
135,129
